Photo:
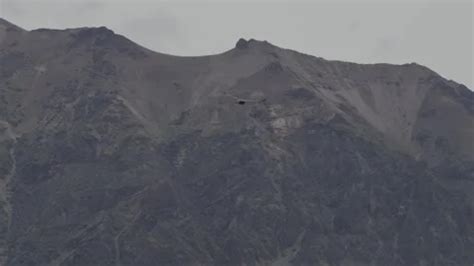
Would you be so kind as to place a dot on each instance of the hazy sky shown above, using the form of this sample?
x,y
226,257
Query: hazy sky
x,y
435,33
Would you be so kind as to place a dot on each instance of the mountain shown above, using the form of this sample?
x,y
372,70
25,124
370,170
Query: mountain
x,y
112,154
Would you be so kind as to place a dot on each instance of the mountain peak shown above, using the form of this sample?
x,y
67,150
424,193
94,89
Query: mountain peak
x,y
244,44
8,26
102,30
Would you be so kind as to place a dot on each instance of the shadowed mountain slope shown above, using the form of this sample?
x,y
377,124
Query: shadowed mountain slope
x,y
113,154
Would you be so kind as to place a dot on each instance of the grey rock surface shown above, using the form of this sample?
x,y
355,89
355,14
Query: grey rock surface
x,y
111,154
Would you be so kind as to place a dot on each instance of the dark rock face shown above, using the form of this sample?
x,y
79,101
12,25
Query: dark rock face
x,y
111,154
241,44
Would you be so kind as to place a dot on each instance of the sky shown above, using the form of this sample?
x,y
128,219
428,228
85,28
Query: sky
x,y
435,33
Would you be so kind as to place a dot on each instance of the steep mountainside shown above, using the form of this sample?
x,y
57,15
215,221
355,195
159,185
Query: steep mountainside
x,y
111,154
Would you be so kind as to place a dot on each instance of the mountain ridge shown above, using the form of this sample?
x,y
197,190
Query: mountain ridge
x,y
250,40
254,55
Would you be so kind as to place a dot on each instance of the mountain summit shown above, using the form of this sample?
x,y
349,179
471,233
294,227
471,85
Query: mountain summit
x,y
114,154
9,26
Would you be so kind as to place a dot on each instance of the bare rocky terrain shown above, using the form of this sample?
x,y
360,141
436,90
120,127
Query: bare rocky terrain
x,y
112,154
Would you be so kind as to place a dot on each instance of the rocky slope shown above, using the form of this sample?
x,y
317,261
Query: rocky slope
x,y
111,154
